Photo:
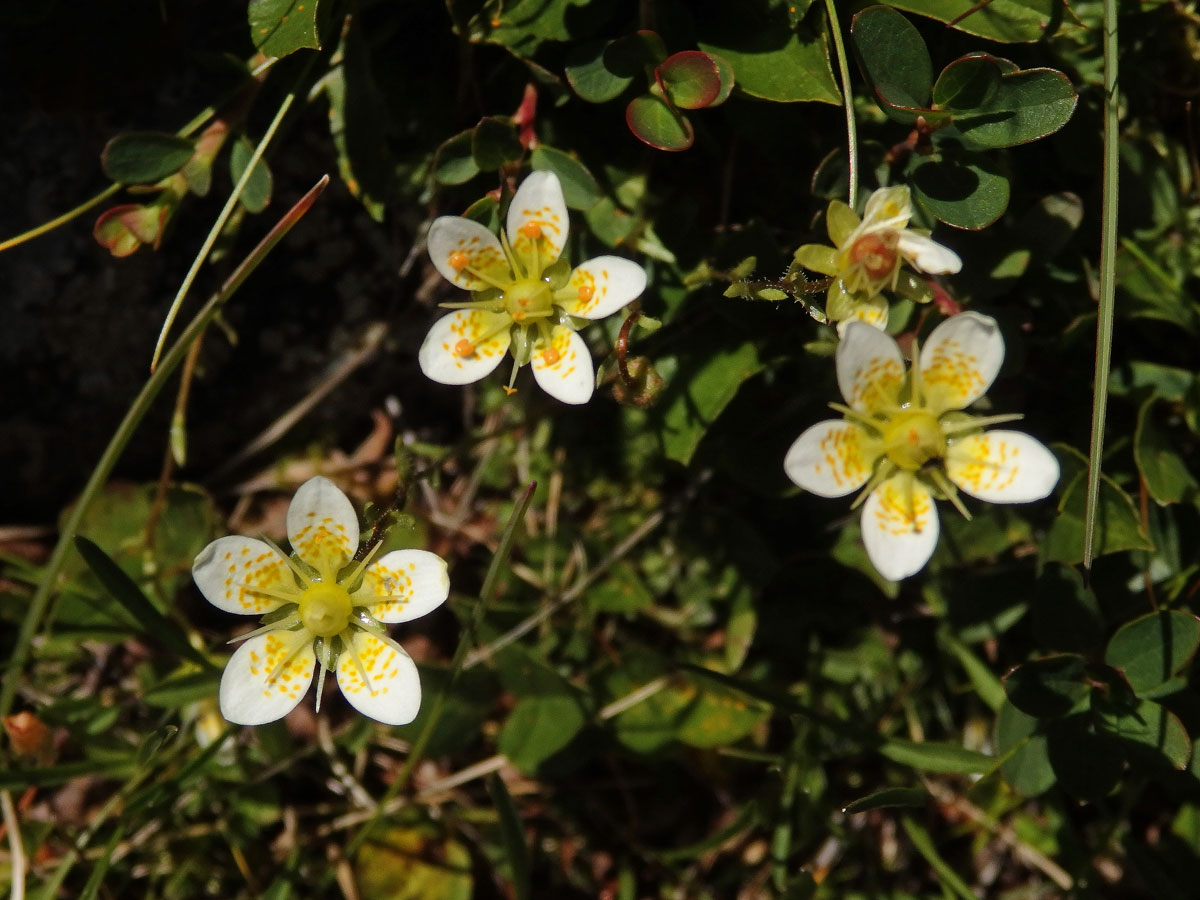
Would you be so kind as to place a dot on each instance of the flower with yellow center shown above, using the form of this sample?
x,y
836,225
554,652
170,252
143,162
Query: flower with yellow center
x,y
527,300
905,440
867,255
320,606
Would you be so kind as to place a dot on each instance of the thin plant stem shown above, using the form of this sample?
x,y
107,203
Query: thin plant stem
x,y
490,582
116,446
219,225
847,100
1108,259
16,850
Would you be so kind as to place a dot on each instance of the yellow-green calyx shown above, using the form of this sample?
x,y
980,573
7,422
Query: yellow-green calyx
x,y
912,437
325,608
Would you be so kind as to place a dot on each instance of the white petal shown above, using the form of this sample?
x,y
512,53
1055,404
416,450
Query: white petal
x,y
537,221
899,526
404,585
603,285
266,677
1002,466
564,369
452,352
889,207
827,459
870,368
229,570
392,691
960,360
927,255
460,247
322,526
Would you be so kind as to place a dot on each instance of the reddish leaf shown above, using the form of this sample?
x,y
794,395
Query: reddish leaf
x,y
691,79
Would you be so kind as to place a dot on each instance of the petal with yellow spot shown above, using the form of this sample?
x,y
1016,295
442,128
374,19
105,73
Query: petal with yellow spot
x,y
1002,467
322,526
266,677
900,526
243,575
467,254
601,286
404,585
465,346
870,368
391,691
960,360
828,459
563,366
537,220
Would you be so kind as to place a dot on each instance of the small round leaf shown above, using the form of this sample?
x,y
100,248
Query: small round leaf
x,y
691,79
144,157
653,122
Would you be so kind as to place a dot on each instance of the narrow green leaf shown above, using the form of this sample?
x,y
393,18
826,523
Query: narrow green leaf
x,y
931,757
986,684
281,27
154,742
512,834
142,613
47,776
1150,649
257,192
889,798
144,157
924,845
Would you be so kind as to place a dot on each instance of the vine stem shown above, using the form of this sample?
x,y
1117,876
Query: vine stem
x,y
847,100
1108,255
116,446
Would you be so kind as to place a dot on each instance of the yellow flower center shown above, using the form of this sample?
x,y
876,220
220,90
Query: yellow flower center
x,y
325,608
527,298
912,438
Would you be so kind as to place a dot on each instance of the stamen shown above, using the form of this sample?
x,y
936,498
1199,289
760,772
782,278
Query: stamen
x,y
292,564
270,592
320,687
358,665
513,262
489,305
287,659
917,387
981,422
947,487
357,572
885,471
491,282
282,625
857,418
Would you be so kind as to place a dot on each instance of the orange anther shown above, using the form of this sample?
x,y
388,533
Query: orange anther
x,y
551,356
585,293
508,390
531,230
459,260
464,348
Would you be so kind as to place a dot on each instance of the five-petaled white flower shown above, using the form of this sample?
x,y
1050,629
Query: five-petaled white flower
x,y
527,301
867,254
904,438
319,609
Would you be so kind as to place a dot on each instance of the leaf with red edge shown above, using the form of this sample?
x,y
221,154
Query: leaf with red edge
x,y
654,122
725,69
691,79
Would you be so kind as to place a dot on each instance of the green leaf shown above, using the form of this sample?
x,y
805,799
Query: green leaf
x,y
48,776
281,27
454,163
590,76
513,835
965,190
494,143
580,190
653,122
1049,687
1066,616
413,863
967,83
179,690
1150,649
1026,766
538,727
358,123
947,877
142,613
933,757
894,61
1087,762
699,391
691,79
1168,479
144,157
717,716
770,59
888,798
154,742
1118,526
1150,725
1025,106
524,25
1007,21
987,685
257,193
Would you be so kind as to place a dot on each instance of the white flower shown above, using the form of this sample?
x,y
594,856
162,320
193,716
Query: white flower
x,y
904,439
320,609
867,254
526,300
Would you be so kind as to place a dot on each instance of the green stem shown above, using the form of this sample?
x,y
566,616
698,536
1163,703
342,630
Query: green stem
x,y
847,101
417,750
1108,258
133,418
